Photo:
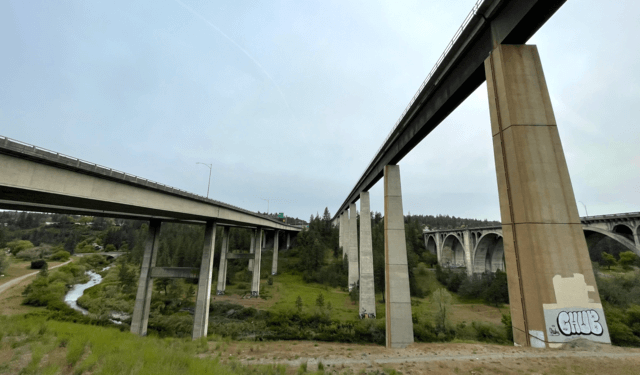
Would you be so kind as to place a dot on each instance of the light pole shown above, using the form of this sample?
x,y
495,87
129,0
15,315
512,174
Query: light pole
x,y
585,208
267,204
209,184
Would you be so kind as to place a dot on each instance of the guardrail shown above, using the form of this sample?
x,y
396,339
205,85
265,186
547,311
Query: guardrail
x,y
70,161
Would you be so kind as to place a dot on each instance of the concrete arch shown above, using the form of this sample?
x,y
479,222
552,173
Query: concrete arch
x,y
623,240
431,245
489,254
623,230
453,251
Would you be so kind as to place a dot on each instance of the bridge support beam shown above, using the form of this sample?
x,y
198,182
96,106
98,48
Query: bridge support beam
x,y
397,295
203,297
367,290
140,317
343,233
222,270
468,251
255,285
353,247
288,240
276,247
548,266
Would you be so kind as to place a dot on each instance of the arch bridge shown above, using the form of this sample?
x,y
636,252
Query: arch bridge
x,y
479,250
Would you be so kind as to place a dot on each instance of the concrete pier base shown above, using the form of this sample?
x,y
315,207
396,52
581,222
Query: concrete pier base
x,y
367,290
352,246
255,285
276,247
397,294
140,317
551,283
203,297
222,270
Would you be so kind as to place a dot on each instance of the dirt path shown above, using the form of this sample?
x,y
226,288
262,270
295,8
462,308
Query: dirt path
x,y
17,280
423,358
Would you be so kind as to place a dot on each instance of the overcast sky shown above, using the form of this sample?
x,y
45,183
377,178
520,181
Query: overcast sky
x,y
290,100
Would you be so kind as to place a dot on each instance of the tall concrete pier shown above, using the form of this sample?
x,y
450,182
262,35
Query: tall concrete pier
x,y
276,247
342,234
203,296
353,247
252,247
397,294
140,317
255,285
222,270
367,290
551,283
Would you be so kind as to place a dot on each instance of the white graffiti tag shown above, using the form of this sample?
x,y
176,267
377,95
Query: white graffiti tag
x,y
584,322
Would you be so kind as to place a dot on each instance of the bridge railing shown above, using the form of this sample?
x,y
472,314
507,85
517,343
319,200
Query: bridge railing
x,y
57,157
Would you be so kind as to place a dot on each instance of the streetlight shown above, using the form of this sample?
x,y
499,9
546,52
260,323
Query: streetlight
x,y
267,204
585,208
209,184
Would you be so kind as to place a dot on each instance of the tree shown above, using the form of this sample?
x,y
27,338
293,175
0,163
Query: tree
x,y
320,300
299,304
442,298
627,259
608,260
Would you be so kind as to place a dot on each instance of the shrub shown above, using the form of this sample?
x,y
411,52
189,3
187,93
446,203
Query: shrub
x,y
18,246
61,255
38,264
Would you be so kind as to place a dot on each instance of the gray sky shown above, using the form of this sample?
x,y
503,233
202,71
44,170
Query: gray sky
x,y
291,99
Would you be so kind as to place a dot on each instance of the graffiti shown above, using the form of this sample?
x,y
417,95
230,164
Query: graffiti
x,y
584,322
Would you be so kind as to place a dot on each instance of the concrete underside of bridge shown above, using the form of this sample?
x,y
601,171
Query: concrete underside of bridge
x,y
552,288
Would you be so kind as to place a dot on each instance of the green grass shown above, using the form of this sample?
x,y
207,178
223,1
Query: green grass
x,y
100,350
289,287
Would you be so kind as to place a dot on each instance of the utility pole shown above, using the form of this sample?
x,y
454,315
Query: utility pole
x,y
585,208
209,184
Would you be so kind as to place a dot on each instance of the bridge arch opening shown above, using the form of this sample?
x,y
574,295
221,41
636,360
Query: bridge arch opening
x,y
453,252
431,245
600,240
489,254
624,231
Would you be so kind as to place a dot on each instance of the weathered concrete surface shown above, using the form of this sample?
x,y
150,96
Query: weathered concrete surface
x,y
543,238
252,248
203,296
397,294
222,270
344,223
276,247
367,290
288,240
174,272
140,317
353,247
255,285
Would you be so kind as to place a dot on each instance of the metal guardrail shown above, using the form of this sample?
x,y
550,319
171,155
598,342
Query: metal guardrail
x,y
43,153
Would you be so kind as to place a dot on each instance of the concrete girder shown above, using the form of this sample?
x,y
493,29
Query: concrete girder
x,y
621,239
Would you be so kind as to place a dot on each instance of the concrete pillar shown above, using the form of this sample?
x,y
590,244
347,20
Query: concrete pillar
x,y
367,290
342,234
203,297
468,251
547,261
140,317
222,272
252,247
276,247
438,247
263,236
353,247
397,294
288,240
255,285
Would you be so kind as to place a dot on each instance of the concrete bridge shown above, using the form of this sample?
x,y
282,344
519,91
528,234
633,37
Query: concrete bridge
x,y
480,250
37,179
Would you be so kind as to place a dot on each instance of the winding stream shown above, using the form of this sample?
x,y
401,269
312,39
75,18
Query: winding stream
x,y
71,298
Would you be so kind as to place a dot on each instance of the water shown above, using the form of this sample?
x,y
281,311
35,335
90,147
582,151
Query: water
x,y
77,291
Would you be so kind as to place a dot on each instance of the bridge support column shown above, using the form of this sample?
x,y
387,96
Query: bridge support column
x,y
222,272
438,247
255,285
288,240
343,234
353,247
397,295
203,297
468,254
276,247
551,281
367,290
252,247
140,317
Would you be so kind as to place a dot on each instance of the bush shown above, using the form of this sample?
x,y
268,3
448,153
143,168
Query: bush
x,y
18,246
61,255
38,264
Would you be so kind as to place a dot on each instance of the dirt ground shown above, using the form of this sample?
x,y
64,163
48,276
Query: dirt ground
x,y
421,358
